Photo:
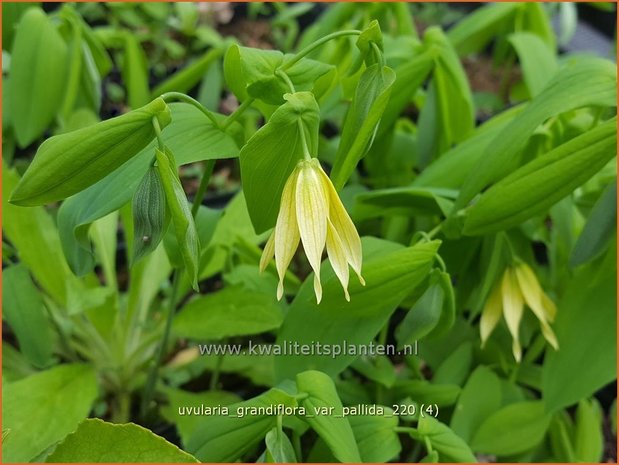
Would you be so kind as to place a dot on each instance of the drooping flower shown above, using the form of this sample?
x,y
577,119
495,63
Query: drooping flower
x,y
311,212
518,286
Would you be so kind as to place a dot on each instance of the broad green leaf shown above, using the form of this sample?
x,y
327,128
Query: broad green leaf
x,y
588,434
180,213
42,408
69,163
480,397
450,170
409,76
257,73
187,78
11,14
14,364
279,447
377,368
533,188
361,122
581,333
477,29
324,414
450,447
150,214
590,82
423,317
424,392
513,429
22,307
35,97
599,229
455,368
96,441
409,201
191,136
184,408
537,60
225,438
376,437
233,311
391,272
271,154
448,115
135,72
33,233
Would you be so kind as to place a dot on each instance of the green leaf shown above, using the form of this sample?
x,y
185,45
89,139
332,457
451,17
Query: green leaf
x,y
183,406
480,397
182,219
450,447
188,77
361,122
409,201
370,35
424,392
191,136
390,271
324,413
537,60
473,33
271,154
533,188
279,447
588,434
38,70
226,438
423,317
33,233
97,441
42,408
150,214
599,229
376,437
513,429
135,72
69,163
581,333
23,309
257,73
455,368
11,14
448,115
586,82
234,311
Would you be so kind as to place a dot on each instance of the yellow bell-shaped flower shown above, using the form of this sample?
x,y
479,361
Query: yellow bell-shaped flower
x,y
517,287
312,212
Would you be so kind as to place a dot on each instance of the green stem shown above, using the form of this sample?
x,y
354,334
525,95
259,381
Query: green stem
x,y
286,79
296,444
236,113
311,47
206,177
191,101
157,128
216,371
306,152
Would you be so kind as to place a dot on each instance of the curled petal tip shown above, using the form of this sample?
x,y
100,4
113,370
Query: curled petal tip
x,y
361,280
280,290
346,295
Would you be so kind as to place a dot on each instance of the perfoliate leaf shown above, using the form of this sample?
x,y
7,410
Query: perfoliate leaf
x,y
271,154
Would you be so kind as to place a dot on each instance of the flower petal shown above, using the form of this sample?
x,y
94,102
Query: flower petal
x,y
286,234
312,210
268,252
537,300
337,257
344,226
491,313
513,307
